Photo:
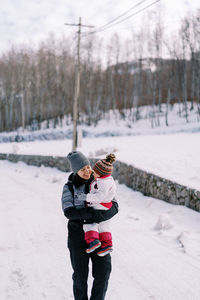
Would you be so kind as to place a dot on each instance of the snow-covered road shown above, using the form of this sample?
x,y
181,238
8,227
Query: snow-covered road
x,y
156,245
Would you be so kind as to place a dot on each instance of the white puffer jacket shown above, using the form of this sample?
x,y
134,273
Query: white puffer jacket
x,y
102,192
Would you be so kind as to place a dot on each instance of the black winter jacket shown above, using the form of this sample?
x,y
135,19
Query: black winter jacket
x,y
78,214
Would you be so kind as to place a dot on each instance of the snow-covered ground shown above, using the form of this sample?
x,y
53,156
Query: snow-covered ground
x,y
172,156
168,151
156,244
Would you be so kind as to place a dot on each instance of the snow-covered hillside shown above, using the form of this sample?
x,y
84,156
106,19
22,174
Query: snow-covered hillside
x,y
115,124
156,245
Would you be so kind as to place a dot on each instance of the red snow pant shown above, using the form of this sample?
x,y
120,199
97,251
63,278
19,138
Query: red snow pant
x,y
100,231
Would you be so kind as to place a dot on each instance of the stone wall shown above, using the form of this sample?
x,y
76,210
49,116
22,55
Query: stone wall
x,y
139,180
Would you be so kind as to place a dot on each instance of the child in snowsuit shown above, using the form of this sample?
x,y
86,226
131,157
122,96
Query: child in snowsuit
x,y
102,192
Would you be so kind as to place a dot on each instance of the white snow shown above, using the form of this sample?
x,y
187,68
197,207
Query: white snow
x,y
170,151
172,156
156,244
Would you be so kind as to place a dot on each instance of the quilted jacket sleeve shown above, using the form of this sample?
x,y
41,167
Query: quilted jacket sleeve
x,y
72,213
72,210
67,198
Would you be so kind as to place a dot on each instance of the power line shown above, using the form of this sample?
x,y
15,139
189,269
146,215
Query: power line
x,y
123,20
123,14
151,4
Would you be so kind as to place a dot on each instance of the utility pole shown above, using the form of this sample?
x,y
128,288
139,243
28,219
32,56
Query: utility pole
x,y
76,89
22,111
77,83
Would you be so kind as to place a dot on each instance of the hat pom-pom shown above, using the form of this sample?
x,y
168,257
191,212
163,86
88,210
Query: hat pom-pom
x,y
111,158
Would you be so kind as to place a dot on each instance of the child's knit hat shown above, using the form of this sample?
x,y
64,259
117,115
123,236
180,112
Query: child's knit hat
x,y
104,167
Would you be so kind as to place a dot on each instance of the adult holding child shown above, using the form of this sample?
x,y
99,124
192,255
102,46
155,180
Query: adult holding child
x,y
78,213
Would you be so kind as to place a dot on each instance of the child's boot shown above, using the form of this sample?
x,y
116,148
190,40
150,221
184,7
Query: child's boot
x,y
93,246
105,250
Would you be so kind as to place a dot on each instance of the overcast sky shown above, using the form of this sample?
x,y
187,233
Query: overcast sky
x,y
30,21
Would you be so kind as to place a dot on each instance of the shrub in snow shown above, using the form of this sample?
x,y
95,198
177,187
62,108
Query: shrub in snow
x,y
105,151
100,152
164,222
90,154
15,149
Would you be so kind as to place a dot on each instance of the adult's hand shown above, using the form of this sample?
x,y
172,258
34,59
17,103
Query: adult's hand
x,y
103,215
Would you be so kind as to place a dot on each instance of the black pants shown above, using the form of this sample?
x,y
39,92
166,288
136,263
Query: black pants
x,y
101,268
